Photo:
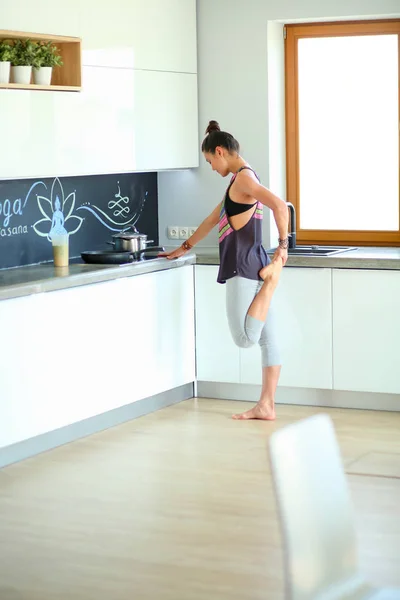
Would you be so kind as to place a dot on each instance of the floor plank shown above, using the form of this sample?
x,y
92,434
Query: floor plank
x,y
178,505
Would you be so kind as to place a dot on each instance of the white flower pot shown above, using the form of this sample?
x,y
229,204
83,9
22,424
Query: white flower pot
x,y
42,76
21,74
5,72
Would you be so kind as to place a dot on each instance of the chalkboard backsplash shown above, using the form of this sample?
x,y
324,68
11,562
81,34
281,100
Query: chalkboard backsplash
x,y
89,208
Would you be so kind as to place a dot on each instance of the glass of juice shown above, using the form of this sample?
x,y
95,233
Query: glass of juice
x,y
60,249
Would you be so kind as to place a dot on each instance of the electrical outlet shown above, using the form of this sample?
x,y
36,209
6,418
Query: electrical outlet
x,y
191,230
183,233
173,232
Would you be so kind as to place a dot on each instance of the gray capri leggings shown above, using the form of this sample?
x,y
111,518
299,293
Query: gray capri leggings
x,y
248,331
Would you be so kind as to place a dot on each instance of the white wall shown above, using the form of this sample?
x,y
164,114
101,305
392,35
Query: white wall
x,y
237,43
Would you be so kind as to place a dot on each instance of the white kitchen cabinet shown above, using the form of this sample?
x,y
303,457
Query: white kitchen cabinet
x,y
303,311
122,121
217,357
158,35
140,121
61,133
16,130
160,308
165,121
138,108
73,354
62,18
95,129
302,305
137,34
366,330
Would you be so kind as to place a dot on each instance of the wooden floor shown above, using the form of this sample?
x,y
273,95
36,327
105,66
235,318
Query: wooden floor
x,y
178,505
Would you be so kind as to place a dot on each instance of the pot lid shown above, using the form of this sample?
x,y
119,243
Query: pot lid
x,y
129,234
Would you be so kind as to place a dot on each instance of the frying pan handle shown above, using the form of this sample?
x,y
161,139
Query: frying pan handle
x,y
144,250
151,248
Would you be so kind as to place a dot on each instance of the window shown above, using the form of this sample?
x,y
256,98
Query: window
x,y
342,131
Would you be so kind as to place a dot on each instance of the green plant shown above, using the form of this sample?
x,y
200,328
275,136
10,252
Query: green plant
x,y
23,53
6,51
47,55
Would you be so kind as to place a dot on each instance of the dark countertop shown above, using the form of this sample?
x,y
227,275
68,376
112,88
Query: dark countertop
x,y
362,258
35,279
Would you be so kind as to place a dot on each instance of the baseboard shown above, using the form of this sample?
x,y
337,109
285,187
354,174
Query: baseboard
x,y
64,435
301,396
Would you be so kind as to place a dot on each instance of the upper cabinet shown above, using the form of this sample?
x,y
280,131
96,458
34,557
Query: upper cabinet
x,y
165,121
116,124
41,16
154,35
137,109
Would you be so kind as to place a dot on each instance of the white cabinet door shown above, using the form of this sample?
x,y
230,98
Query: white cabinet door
x,y
303,309
159,329
62,18
157,35
91,132
131,121
366,330
101,127
16,124
122,121
217,357
73,354
165,121
60,133
56,363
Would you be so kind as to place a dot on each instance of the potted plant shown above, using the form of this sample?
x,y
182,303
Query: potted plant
x,y
47,56
22,60
6,54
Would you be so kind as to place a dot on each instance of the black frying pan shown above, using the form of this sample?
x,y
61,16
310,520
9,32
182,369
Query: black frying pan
x,y
110,257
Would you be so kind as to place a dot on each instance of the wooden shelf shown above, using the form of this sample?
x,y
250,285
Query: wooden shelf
x,y
67,78
32,86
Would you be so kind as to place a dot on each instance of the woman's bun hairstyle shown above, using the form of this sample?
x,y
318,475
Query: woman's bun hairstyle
x,y
215,137
213,126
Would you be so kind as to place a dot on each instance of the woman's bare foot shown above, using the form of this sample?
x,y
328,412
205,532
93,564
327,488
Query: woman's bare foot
x,y
271,272
259,411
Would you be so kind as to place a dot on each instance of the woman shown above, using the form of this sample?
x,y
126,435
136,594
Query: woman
x,y
245,267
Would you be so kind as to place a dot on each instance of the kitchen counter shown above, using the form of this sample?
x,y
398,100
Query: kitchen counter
x,y
362,258
34,279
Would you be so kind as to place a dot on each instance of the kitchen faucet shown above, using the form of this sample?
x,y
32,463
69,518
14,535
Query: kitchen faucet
x,y
292,232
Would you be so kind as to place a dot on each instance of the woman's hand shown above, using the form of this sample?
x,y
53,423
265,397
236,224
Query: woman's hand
x,y
281,253
174,253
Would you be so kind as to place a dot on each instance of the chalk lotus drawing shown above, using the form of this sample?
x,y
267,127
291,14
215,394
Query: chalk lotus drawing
x,y
57,212
122,213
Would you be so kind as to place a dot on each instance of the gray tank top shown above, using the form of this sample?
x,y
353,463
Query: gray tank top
x,y
240,250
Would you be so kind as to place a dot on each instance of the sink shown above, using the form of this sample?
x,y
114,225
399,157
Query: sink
x,y
317,250
320,250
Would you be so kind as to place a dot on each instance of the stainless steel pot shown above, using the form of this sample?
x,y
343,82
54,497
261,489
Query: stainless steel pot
x,y
130,241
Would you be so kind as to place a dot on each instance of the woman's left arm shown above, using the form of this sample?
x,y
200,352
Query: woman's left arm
x,y
250,186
